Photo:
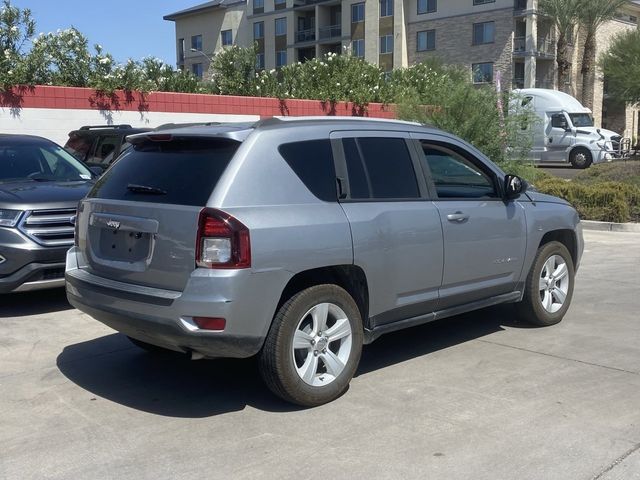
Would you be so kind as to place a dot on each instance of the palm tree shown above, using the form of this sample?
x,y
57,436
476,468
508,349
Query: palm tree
x,y
564,14
592,14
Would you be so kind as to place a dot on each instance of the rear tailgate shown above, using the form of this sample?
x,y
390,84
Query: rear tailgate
x,y
139,223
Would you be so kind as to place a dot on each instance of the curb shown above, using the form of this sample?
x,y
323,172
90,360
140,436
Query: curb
x,y
610,226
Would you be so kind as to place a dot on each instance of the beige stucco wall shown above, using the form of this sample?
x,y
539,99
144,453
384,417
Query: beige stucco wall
x,y
209,24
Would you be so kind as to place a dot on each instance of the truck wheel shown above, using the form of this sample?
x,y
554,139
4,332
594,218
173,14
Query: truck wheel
x,y
549,287
581,158
313,347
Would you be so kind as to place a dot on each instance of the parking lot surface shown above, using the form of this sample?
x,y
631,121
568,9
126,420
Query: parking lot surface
x,y
478,396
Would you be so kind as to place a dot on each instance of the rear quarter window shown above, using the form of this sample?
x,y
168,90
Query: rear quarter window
x,y
312,162
180,172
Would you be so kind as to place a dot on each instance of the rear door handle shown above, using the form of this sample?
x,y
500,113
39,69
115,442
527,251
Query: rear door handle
x,y
457,217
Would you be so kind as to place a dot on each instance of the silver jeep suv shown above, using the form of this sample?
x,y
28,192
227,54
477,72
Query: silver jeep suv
x,y
300,240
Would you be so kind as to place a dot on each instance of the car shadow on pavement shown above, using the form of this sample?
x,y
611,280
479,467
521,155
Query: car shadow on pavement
x,y
33,303
415,342
170,384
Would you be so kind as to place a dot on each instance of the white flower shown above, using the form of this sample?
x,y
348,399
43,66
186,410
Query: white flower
x,y
7,53
257,87
104,61
14,29
337,84
10,72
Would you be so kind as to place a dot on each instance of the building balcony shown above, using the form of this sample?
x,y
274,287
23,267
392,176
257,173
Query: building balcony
x,y
331,31
546,46
308,35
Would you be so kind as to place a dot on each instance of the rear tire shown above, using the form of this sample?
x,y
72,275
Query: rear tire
x,y
581,158
313,347
549,287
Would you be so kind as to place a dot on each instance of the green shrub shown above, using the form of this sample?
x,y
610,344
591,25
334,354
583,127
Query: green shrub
x,y
625,172
608,201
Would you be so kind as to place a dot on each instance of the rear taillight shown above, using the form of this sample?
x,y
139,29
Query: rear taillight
x,y
222,242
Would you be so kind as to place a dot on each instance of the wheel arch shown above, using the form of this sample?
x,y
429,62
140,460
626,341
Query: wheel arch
x,y
566,237
349,277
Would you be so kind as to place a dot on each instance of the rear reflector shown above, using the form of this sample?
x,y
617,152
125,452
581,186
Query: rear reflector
x,y
210,323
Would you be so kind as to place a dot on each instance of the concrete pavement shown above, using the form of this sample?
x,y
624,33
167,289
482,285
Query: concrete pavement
x,y
478,396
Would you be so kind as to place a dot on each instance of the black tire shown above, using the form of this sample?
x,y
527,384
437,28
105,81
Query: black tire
x,y
531,308
277,365
149,347
581,158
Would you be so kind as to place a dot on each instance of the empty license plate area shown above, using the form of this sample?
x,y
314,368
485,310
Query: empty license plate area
x,y
119,238
124,246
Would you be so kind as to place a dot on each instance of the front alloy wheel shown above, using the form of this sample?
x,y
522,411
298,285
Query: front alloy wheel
x,y
554,283
549,286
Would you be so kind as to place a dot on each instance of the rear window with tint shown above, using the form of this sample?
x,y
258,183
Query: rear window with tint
x,y
312,161
180,172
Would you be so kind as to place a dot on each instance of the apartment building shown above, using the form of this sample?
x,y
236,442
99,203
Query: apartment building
x,y
203,30
508,39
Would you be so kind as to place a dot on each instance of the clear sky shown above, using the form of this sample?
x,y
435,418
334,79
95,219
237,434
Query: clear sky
x,y
124,28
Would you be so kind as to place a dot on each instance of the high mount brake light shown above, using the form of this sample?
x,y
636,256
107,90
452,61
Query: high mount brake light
x,y
222,241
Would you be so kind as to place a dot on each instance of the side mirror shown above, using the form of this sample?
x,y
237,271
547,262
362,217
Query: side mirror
x,y
513,186
97,171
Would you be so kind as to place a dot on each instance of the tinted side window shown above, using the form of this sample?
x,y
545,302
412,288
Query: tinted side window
x,y
185,172
79,146
455,176
558,120
312,161
380,168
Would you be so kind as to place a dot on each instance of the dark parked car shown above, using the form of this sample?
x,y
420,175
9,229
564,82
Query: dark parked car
x,y
40,186
99,145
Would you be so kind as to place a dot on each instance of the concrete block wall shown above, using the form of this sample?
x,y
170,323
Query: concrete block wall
x,y
52,112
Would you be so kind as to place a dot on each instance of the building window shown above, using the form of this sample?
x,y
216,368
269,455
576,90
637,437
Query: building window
x,y
197,69
280,2
281,26
386,44
357,12
226,37
281,58
482,2
258,30
482,72
426,41
483,33
181,50
258,4
260,61
427,6
196,43
357,48
386,8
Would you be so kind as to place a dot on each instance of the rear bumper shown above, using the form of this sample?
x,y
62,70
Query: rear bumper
x,y
246,300
158,331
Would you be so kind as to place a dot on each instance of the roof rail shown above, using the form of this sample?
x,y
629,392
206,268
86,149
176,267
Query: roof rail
x,y
89,127
279,120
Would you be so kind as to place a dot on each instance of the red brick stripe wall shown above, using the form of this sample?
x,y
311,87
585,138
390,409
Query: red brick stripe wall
x,y
85,98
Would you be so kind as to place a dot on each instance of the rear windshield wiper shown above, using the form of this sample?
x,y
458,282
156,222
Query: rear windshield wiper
x,y
145,189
